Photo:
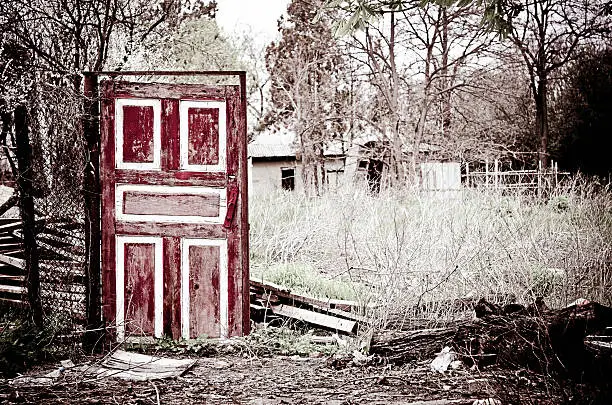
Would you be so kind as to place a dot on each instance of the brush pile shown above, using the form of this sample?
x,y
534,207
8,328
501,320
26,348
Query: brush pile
x,y
572,341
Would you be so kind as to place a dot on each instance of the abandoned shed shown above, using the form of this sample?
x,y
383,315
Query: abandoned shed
x,y
274,164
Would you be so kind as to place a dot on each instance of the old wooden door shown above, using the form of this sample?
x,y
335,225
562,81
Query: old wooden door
x,y
174,201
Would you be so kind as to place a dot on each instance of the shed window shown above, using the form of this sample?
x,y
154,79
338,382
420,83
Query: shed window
x,y
288,178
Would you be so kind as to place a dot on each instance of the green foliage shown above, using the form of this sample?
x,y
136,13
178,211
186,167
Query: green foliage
x,y
262,341
496,14
202,346
23,345
583,113
303,278
287,342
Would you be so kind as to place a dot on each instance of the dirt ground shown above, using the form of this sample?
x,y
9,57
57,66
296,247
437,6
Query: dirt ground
x,y
237,379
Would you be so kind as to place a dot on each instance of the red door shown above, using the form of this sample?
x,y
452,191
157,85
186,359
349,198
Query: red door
x,y
174,219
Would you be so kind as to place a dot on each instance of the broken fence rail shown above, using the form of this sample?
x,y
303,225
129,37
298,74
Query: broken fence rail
x,y
269,300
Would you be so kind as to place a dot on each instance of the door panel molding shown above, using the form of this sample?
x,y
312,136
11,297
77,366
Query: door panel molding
x,y
120,103
221,146
186,243
121,190
158,288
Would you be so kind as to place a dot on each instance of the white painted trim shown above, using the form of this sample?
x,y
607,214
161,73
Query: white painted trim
x,y
179,190
158,288
223,283
156,104
184,107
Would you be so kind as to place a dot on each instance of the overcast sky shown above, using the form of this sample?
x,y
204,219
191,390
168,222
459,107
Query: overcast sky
x,y
260,16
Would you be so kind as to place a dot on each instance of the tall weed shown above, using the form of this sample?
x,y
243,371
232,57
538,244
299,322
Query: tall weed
x,y
407,248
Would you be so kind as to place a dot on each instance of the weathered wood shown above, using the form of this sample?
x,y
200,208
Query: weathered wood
x,y
185,130
168,91
283,292
107,179
406,346
92,204
174,178
26,206
139,298
10,203
204,290
207,231
147,203
321,320
271,294
140,367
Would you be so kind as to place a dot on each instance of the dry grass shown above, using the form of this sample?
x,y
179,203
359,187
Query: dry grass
x,y
405,248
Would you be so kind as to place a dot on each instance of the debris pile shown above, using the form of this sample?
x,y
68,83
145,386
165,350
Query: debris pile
x,y
573,341
270,301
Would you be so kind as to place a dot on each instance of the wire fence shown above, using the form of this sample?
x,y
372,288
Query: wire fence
x,y
494,177
56,162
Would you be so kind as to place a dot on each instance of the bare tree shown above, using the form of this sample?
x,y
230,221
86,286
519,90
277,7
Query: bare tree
x,y
549,34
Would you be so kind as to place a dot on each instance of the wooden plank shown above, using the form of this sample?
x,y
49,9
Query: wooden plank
x,y
172,287
20,263
141,367
285,293
13,226
6,221
203,136
10,277
12,261
204,231
107,177
168,91
204,291
139,298
243,215
174,178
148,203
315,318
170,135
14,302
13,289
137,134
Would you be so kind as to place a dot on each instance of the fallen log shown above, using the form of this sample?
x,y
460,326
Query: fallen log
x,y
546,341
406,346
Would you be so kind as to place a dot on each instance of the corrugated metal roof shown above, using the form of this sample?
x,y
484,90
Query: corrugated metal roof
x,y
258,150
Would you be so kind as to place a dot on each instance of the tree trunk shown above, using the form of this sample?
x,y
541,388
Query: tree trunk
x,y
541,101
446,83
419,131
26,206
396,160
92,192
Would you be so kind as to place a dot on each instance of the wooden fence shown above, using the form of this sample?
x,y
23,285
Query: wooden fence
x,y
494,178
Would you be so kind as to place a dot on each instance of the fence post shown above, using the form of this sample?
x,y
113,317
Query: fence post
x,y
539,178
26,207
487,173
496,178
91,190
467,173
